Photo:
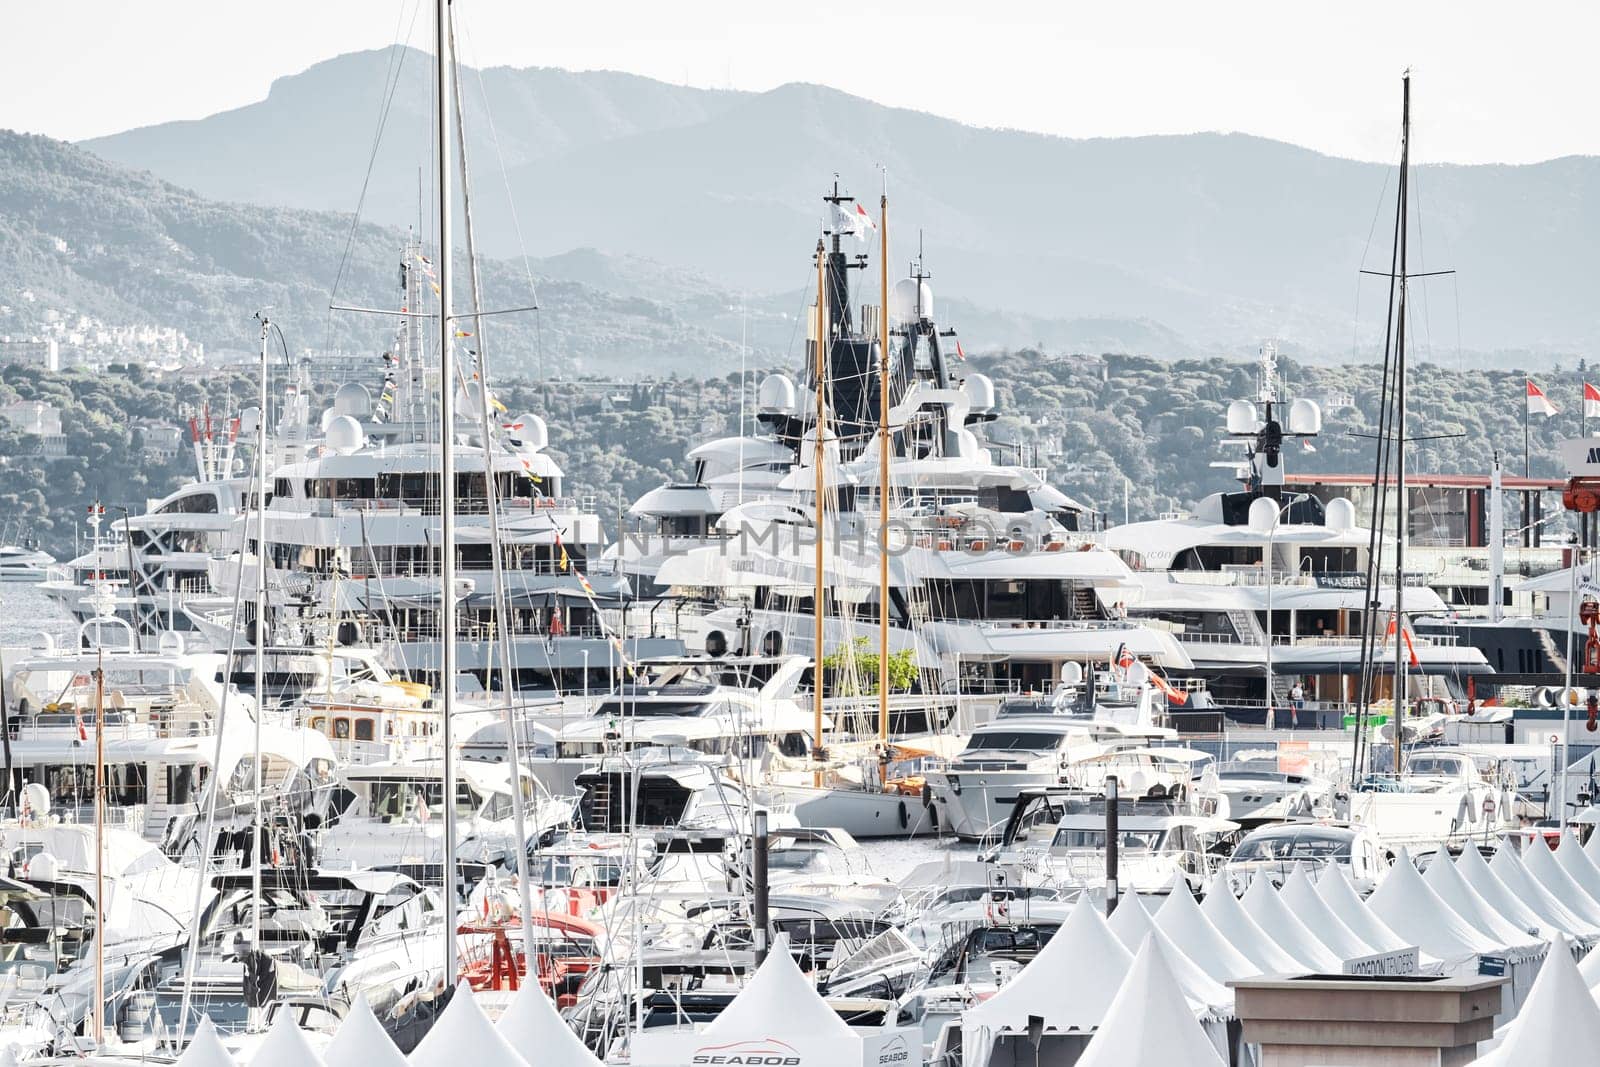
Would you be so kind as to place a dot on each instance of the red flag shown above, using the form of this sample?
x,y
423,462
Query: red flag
x,y
960,354
1591,401
83,734
1538,403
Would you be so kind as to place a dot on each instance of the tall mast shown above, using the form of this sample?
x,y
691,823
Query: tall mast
x,y
883,468
100,848
261,638
819,458
497,561
1401,517
447,485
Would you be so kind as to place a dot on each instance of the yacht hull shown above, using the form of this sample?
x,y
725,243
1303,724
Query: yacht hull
x,y
860,813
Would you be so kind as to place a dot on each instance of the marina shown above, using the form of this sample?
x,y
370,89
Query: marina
x,y
875,740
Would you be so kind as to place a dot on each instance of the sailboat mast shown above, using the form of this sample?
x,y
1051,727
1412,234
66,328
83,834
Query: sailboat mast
x,y
447,484
1401,511
100,848
261,639
883,467
819,458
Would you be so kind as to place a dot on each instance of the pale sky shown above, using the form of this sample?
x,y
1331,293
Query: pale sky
x,y
1495,81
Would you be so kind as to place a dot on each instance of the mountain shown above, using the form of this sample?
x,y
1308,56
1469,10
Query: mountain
x,y
1211,240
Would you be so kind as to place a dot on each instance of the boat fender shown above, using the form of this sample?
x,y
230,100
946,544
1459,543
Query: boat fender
x,y
905,816
955,784
927,795
933,813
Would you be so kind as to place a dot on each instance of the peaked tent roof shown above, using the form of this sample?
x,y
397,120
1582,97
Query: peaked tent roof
x,y
1263,904
1299,893
1126,921
534,1028
1577,863
1404,901
362,1042
462,1034
1477,873
1510,869
1447,883
1148,1023
1235,924
1336,891
1557,1021
1070,983
1207,994
1548,872
206,1048
778,1000
1181,919
285,1046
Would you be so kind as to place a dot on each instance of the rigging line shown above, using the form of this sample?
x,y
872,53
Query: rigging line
x,y
397,59
1427,320
1372,229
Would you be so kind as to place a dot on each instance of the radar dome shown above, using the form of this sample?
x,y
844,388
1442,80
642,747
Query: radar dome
x,y
36,798
1138,673
344,435
911,300
777,393
1341,514
1072,674
1263,514
44,867
249,421
980,392
1305,417
531,431
353,399
1242,417
171,643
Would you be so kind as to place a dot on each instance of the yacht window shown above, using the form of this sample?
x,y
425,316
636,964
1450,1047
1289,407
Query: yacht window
x,y
364,730
192,504
1305,846
1025,740
398,798
185,781
320,724
341,729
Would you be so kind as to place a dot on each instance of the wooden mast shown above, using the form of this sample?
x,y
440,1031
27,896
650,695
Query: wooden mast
x,y
883,474
1401,511
819,459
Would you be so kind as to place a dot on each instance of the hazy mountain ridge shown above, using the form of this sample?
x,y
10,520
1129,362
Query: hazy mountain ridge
x,y
1219,239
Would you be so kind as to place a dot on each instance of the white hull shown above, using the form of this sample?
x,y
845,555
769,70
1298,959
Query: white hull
x,y
860,813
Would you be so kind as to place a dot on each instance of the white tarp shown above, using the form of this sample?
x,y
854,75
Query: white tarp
x,y
1181,919
1336,891
1446,881
1404,902
1235,924
1576,862
1132,924
1476,872
1509,868
462,1034
1559,1023
1262,903
533,1027
1548,872
1149,1023
1300,895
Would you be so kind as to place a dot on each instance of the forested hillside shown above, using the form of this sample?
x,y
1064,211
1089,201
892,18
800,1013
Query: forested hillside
x,y
1093,421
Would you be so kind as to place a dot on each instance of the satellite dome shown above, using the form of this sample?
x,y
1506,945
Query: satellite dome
x,y
980,392
36,797
777,393
353,399
344,435
249,421
1263,514
1341,514
1242,417
1305,417
531,430
1072,673
910,301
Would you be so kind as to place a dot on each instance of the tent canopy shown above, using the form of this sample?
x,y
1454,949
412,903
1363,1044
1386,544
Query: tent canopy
x,y
1404,901
1558,1021
1334,887
1181,919
1148,1023
1235,924
1299,893
1273,915
462,1034
1070,983
532,1026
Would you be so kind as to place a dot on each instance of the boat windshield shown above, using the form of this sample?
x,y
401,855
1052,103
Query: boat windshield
x,y
654,708
1019,740
1127,840
399,798
1305,846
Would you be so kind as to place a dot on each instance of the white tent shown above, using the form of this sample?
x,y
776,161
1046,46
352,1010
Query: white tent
x,y
463,1034
1336,891
1447,882
538,1033
1300,895
1509,869
1181,919
1262,903
1070,985
1148,1023
1233,923
1559,1023
1404,901
362,1042
777,1014
1576,862
205,1049
1475,871
285,1046
1133,926
1591,847
1548,872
